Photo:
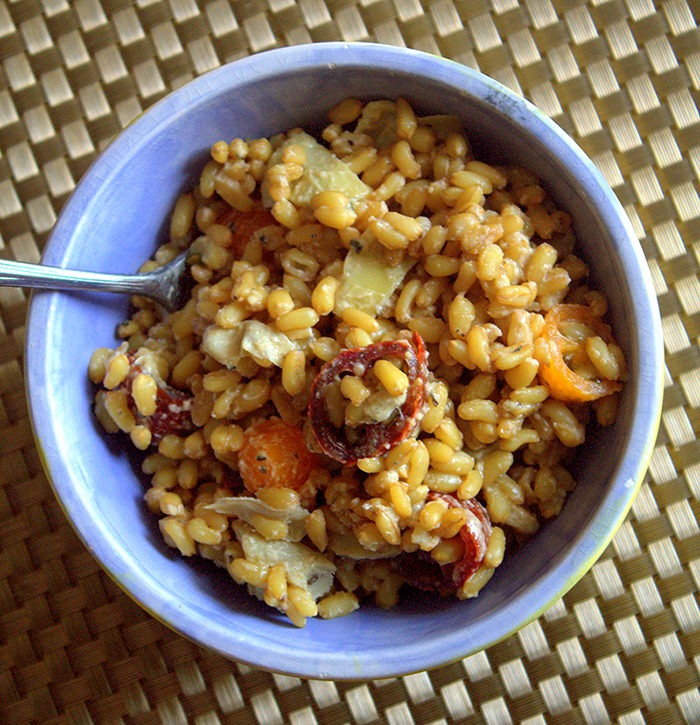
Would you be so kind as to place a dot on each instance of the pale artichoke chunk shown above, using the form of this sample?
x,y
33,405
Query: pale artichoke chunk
x,y
306,568
264,343
246,507
323,171
378,120
223,345
368,279
251,337
380,406
442,125
347,546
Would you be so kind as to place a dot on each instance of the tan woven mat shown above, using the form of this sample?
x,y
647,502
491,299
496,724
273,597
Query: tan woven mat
x,y
624,645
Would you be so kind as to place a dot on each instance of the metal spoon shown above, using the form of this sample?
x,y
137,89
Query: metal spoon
x,y
169,285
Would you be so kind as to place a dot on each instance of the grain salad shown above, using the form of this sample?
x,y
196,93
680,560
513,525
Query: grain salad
x,y
390,355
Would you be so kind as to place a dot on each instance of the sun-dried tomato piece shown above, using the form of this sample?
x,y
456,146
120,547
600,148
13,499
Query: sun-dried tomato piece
x,y
373,439
475,534
421,571
172,413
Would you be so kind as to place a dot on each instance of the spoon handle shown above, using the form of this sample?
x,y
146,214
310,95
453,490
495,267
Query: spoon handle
x,y
21,274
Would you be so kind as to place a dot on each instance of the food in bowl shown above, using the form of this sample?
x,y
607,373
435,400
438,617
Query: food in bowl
x,y
388,358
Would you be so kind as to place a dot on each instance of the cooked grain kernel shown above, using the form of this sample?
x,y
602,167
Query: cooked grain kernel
x,y
276,582
449,433
297,319
406,123
346,111
357,318
315,524
335,217
116,371
357,337
337,605
323,296
603,359
354,389
200,532
431,514
395,381
96,367
143,390
442,482
117,406
302,601
470,486
247,572
175,535
226,440
271,529
141,437
294,372
459,464
439,452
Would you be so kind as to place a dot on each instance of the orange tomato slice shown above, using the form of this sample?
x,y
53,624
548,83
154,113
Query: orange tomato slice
x,y
244,224
561,381
274,454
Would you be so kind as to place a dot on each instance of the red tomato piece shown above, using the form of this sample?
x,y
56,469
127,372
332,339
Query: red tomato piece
x,y
172,413
374,438
475,534
421,571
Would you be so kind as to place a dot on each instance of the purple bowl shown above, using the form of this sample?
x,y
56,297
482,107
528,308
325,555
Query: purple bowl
x,y
113,222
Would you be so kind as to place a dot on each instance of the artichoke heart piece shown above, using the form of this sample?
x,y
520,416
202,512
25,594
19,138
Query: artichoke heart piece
x,y
323,171
378,120
346,545
245,507
381,406
251,337
305,568
368,280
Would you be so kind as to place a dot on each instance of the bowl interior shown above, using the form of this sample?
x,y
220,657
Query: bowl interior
x,y
113,223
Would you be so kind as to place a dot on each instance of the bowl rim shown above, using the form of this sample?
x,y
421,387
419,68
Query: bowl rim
x,y
590,543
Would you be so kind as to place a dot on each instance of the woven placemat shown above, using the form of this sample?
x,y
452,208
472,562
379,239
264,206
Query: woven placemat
x,y
623,78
